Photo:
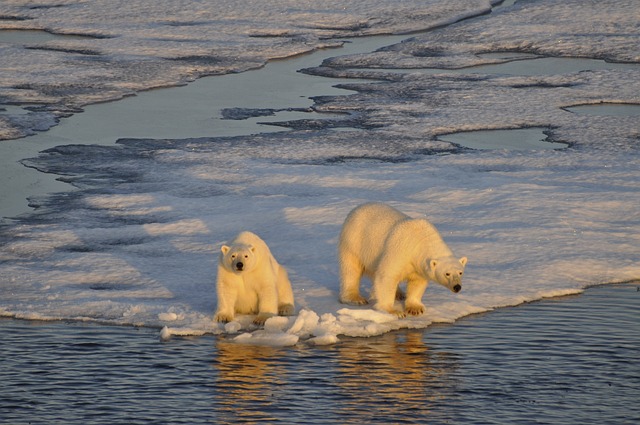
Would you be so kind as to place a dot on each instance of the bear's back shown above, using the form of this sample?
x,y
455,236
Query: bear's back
x,y
421,234
366,229
371,220
249,238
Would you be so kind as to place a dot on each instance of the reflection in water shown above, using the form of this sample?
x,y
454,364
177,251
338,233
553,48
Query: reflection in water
x,y
359,381
571,360
249,378
394,373
568,360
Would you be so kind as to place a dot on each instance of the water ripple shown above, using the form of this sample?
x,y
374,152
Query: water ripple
x,y
571,360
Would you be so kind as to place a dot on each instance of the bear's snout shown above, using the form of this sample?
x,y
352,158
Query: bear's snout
x,y
239,266
457,288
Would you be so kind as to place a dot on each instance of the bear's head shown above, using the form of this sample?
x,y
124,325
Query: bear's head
x,y
448,272
238,258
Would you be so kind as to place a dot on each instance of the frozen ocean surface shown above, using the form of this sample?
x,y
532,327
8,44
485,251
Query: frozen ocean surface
x,y
121,47
136,243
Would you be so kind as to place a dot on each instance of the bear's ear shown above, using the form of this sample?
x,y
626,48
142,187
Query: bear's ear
x,y
252,248
463,261
224,249
433,264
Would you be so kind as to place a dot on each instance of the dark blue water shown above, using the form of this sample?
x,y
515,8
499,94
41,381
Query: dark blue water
x,y
571,360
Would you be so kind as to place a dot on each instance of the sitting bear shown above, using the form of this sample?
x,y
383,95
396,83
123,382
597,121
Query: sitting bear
x,y
389,247
250,281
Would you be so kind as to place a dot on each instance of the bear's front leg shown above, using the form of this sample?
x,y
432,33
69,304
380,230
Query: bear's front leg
x,y
285,294
415,289
384,289
391,310
267,302
227,296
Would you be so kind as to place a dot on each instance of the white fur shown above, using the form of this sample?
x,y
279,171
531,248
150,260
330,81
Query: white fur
x,y
259,286
390,247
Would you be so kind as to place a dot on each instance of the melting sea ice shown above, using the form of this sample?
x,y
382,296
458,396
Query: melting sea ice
x,y
138,242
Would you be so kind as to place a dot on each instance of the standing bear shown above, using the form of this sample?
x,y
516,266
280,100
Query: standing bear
x,y
390,247
250,281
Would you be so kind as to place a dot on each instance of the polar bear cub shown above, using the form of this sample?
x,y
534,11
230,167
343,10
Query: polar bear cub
x,y
389,247
250,281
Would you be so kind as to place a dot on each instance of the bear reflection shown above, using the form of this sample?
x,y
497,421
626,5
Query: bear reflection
x,y
394,371
248,376
356,380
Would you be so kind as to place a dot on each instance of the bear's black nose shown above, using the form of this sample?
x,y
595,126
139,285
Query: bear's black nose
x,y
457,288
239,266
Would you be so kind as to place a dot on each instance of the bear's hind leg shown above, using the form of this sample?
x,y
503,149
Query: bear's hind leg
x,y
351,269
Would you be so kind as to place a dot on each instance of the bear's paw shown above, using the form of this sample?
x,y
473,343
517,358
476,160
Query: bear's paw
x,y
401,314
223,317
286,310
391,310
354,300
261,318
415,310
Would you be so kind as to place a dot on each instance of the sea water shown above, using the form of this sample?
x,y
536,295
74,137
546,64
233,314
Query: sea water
x,y
569,360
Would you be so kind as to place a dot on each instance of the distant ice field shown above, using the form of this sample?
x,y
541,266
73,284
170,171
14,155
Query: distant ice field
x,y
110,49
61,58
137,242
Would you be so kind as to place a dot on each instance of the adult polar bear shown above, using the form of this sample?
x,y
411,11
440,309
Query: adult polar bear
x,y
390,247
250,281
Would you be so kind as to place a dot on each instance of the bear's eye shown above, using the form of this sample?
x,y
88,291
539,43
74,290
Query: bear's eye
x,y
447,274
246,256
233,256
460,273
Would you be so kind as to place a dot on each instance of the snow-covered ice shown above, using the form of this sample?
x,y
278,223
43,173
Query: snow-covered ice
x,y
137,243
121,47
